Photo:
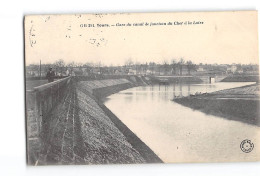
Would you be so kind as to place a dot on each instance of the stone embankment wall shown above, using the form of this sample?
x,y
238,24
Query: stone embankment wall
x,y
103,88
39,103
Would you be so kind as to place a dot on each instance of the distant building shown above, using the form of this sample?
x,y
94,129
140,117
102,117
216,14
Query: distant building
x,y
149,72
132,71
96,71
240,71
200,69
117,72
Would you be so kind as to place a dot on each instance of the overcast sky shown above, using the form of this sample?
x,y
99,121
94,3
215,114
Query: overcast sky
x,y
224,37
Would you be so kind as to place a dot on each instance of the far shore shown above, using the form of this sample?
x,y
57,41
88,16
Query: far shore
x,y
239,104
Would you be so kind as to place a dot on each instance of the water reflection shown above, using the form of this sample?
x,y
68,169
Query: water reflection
x,y
177,133
179,89
171,91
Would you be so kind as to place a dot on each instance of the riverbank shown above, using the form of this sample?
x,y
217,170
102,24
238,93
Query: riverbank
x,y
239,104
100,90
241,78
177,79
81,130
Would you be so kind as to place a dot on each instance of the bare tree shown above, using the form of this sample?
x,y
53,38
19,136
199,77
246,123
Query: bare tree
x,y
129,62
137,67
98,66
180,64
79,64
165,66
151,66
145,67
174,66
71,64
190,66
89,64
59,65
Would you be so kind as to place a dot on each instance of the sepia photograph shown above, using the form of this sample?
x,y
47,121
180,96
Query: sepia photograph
x,y
136,88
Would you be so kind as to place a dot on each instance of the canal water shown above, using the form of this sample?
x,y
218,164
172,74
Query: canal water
x,y
177,133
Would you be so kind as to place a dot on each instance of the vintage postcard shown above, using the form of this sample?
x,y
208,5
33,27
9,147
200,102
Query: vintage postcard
x,y
142,88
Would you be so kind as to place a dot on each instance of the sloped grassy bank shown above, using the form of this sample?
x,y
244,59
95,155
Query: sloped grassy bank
x,y
239,104
81,130
94,92
104,142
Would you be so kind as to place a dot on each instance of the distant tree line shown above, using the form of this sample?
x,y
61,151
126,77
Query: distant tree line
x,y
174,67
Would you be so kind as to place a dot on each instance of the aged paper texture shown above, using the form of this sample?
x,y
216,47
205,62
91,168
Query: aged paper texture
x,y
142,88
